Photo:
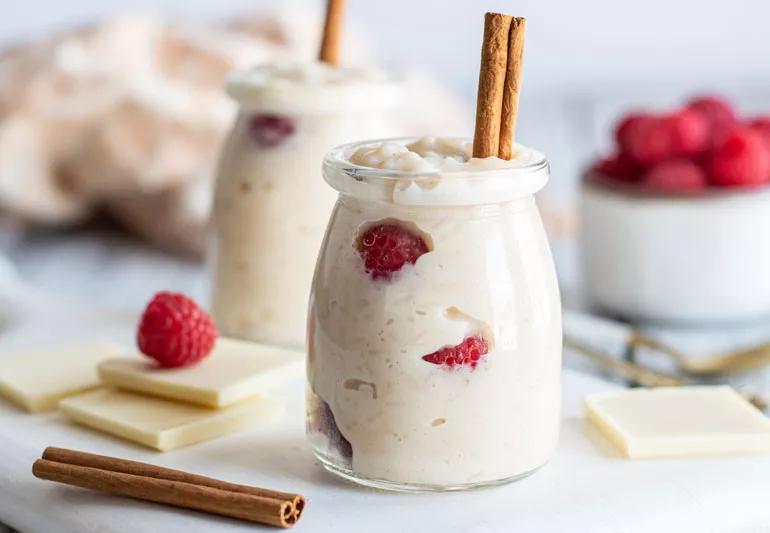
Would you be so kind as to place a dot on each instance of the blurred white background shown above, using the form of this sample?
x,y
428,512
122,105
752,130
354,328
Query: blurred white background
x,y
586,62
592,46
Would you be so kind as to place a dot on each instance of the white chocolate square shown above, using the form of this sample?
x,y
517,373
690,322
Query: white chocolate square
x,y
163,424
235,370
680,421
38,379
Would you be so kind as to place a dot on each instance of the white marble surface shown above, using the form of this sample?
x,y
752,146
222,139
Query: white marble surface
x,y
586,487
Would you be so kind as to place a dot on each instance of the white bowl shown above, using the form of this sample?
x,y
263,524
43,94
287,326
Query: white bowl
x,y
698,257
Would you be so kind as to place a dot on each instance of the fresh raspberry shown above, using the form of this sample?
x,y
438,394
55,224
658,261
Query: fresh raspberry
x,y
719,114
467,353
175,331
271,130
627,123
675,175
645,139
689,132
386,248
761,125
618,167
741,158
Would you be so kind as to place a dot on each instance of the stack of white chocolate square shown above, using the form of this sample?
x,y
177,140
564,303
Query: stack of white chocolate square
x,y
163,408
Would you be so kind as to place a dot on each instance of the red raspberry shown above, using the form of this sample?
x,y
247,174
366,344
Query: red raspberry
x,y
628,122
719,114
386,248
741,158
646,139
761,125
675,175
322,420
175,331
689,132
467,353
271,130
618,167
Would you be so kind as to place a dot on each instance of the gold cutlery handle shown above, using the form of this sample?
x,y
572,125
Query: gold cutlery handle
x,y
635,373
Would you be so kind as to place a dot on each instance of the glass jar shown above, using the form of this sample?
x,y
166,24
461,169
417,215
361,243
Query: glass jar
x,y
269,204
392,403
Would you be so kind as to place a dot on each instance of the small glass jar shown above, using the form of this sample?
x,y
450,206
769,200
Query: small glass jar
x,y
269,204
391,401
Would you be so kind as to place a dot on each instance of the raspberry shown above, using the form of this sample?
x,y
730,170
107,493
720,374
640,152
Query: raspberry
x,y
321,420
386,248
675,175
271,130
645,139
618,167
626,123
689,132
467,353
761,125
175,331
719,114
741,158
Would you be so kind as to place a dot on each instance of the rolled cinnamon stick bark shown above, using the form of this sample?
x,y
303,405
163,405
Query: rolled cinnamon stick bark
x,y
258,509
512,87
489,99
114,464
330,41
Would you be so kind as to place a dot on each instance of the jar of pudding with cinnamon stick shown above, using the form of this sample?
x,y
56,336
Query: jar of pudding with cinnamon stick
x,y
435,325
434,330
270,201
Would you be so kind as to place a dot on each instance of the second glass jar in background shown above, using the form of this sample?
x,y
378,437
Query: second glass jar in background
x,y
270,204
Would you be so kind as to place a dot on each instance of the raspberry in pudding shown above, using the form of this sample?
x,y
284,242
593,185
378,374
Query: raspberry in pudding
x,y
467,353
387,247
271,130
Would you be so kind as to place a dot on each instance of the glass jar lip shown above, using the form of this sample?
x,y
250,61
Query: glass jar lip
x,y
438,187
284,86
338,158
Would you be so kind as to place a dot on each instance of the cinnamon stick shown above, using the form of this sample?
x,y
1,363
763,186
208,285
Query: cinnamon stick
x,y
114,464
171,487
512,87
330,41
489,99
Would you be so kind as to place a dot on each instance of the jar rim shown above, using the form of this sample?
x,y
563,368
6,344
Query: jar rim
x,y
438,187
283,87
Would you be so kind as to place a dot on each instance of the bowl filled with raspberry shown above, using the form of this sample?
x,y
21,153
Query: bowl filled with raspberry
x,y
675,225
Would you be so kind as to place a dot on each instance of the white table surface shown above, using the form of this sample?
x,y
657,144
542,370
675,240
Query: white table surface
x,y
586,487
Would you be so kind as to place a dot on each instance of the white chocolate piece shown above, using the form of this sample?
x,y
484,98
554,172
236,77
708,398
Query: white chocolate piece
x,y
38,380
162,424
680,422
234,371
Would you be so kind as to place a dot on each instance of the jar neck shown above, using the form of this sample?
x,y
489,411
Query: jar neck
x,y
476,211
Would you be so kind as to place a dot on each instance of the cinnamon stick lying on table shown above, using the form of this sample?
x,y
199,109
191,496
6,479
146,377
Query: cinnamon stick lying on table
x,y
330,41
173,487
